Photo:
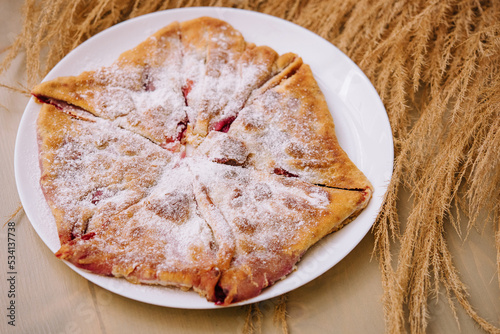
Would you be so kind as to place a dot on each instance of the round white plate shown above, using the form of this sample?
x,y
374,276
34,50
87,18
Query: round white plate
x,y
360,119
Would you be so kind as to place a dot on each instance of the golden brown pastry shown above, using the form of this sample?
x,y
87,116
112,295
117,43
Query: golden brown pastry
x,y
288,130
195,160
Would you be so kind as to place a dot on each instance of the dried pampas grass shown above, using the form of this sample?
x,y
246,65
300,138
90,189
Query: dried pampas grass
x,y
435,64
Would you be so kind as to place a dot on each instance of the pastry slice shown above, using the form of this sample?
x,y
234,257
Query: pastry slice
x,y
211,49
255,66
140,91
221,71
273,220
288,130
259,69
91,170
160,240
285,66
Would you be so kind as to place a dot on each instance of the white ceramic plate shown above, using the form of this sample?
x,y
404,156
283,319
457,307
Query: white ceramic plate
x,y
361,123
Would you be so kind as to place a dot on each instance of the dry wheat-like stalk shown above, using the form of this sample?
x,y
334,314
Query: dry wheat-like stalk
x,y
253,320
280,314
436,66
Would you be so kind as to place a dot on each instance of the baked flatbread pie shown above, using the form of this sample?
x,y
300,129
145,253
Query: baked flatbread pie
x,y
195,160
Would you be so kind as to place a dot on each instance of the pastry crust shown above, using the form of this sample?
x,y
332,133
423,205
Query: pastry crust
x,y
289,129
220,71
140,91
273,221
160,240
92,170
195,160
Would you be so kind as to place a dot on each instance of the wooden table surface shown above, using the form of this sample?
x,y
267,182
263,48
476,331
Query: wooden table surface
x,y
52,298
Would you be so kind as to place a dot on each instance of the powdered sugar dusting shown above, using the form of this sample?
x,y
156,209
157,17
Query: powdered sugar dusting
x,y
95,172
222,148
193,72
144,97
273,205
221,74
280,130
170,219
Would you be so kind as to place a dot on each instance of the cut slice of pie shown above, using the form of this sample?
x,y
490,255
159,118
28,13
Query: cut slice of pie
x,y
211,49
271,219
140,91
252,69
160,240
288,130
91,169
220,71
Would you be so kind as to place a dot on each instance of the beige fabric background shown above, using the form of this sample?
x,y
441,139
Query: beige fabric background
x,y
51,298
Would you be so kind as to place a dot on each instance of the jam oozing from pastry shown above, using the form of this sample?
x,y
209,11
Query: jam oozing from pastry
x,y
281,171
224,124
99,194
220,295
88,236
181,127
181,131
96,196
65,107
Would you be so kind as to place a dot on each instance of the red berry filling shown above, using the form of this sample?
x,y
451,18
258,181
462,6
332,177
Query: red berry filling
x,y
220,295
60,105
281,171
182,128
96,196
181,131
88,236
224,124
